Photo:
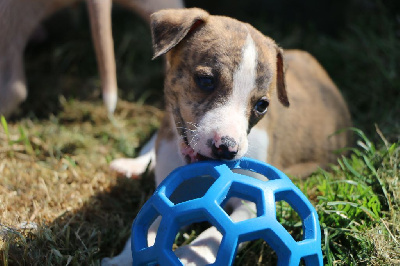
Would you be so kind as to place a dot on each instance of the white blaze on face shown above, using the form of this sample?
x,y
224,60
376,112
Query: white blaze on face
x,y
230,119
244,78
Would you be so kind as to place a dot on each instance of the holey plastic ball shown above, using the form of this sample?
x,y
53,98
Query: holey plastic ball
x,y
214,184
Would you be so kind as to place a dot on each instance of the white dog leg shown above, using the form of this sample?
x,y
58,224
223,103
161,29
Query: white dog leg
x,y
134,167
123,259
203,250
18,19
100,21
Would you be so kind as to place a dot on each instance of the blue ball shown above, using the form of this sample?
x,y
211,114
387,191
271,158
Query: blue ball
x,y
216,183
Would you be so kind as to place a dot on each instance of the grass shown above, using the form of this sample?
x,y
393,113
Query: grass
x,y
358,207
58,198
61,205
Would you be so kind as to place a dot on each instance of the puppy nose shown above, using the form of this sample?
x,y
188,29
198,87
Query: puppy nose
x,y
227,150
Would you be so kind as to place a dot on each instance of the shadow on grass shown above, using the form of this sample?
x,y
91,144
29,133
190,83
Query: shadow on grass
x,y
82,237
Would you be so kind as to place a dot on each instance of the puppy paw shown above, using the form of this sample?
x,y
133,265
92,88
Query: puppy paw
x,y
106,262
130,168
196,255
115,262
123,259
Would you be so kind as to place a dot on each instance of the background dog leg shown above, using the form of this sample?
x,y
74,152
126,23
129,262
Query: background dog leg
x,y
18,19
100,21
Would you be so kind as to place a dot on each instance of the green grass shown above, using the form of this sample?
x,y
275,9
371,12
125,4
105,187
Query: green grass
x,y
61,205
357,202
358,206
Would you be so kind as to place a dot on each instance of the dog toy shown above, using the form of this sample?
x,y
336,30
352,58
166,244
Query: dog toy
x,y
216,183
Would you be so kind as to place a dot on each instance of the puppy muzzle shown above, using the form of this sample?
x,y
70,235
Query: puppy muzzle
x,y
227,149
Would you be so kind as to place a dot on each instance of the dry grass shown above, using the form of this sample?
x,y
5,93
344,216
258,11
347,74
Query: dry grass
x,y
59,201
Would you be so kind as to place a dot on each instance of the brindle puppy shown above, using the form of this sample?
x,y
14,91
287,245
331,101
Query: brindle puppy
x,y
220,86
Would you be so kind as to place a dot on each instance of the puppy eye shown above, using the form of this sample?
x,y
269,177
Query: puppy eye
x,y
261,106
206,83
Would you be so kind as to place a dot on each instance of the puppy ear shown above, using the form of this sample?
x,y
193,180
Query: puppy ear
x,y
170,26
280,78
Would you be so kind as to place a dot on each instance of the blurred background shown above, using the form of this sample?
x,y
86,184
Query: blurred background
x,y
357,41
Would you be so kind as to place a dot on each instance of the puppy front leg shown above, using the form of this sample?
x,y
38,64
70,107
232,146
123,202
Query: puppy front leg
x,y
125,257
134,167
204,249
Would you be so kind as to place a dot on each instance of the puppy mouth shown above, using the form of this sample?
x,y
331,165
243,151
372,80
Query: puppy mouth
x,y
190,155
218,150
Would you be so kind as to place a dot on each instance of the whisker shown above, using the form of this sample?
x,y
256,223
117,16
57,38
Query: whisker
x,y
187,129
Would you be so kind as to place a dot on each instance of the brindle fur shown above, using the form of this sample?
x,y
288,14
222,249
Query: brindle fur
x,y
298,135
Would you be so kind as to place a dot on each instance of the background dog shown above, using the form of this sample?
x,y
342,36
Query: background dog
x,y
231,92
18,20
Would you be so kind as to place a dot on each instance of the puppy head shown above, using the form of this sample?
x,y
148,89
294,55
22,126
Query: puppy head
x,y
219,78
